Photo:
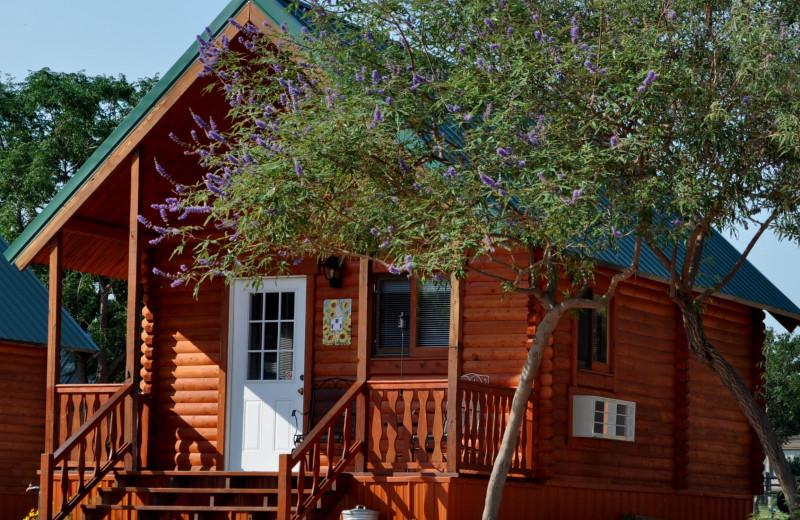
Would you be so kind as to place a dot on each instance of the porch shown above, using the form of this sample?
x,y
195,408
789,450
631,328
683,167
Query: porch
x,y
400,429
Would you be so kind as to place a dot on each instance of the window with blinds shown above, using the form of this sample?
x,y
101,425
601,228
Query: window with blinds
x,y
428,325
592,337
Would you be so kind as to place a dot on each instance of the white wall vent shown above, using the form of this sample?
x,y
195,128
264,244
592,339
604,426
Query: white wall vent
x,y
594,416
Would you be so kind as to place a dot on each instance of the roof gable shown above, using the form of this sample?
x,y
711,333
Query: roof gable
x,y
24,308
41,228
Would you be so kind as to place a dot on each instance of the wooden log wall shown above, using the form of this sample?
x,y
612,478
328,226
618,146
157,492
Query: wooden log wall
x,y
22,403
335,360
187,394
495,326
720,442
689,432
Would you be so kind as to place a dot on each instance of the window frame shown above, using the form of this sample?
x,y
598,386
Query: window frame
x,y
599,376
593,364
414,350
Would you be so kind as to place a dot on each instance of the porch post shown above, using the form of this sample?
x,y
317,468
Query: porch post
x,y
364,355
454,374
53,376
134,312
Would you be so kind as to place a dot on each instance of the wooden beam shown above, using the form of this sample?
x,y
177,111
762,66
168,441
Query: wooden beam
x,y
364,351
454,370
53,344
224,349
92,229
134,308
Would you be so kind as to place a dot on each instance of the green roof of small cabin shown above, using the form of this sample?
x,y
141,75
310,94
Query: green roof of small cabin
x,y
24,307
749,286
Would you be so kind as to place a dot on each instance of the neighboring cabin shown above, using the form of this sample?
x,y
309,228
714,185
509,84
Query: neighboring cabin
x,y
621,421
23,341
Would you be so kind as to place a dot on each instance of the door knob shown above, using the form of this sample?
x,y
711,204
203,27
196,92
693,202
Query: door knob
x,y
300,391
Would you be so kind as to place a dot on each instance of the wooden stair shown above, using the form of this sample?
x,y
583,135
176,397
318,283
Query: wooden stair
x,y
199,495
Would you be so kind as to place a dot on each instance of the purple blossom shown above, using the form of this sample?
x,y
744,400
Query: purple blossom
x,y
489,181
489,24
509,32
374,231
438,277
283,27
648,80
454,109
468,117
521,163
616,233
377,117
451,173
677,222
375,77
488,112
575,32
462,50
614,141
389,100
541,176
670,13
199,121
394,270
590,67
298,168
404,168
504,152
215,136
390,229
384,244
494,46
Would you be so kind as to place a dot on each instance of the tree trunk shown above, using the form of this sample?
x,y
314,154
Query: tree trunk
x,y
81,371
708,355
497,479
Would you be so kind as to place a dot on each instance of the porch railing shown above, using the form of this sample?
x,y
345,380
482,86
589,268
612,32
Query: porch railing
x,y
405,428
77,404
89,453
333,439
481,424
406,425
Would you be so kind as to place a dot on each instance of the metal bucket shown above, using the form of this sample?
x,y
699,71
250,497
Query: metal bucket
x,y
359,513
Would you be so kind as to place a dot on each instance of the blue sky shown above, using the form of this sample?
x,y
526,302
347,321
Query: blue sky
x,y
146,37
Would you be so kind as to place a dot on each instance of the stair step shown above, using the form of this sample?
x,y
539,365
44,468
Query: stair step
x,y
192,491
193,473
184,509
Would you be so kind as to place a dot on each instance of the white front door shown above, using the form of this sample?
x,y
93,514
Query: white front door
x,y
267,359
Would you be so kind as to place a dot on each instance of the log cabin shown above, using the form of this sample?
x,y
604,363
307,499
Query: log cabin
x,y
23,342
305,397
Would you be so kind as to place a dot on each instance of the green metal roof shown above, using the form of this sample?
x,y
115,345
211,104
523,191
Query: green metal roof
x,y
275,10
24,307
748,286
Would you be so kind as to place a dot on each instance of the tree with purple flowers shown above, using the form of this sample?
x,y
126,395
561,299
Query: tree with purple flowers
x,y
427,134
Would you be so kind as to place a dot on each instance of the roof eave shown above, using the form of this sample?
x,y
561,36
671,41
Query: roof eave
x,y
787,319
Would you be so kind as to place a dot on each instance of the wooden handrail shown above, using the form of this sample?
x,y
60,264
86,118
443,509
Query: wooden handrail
x,y
89,436
307,457
484,410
